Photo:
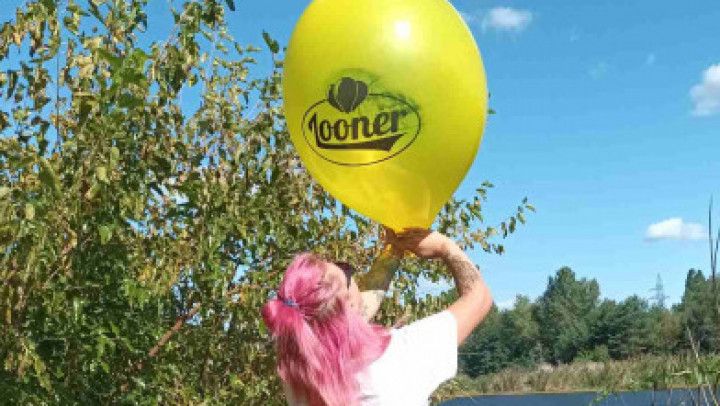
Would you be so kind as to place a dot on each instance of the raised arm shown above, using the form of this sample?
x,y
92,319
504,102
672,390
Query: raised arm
x,y
376,281
475,300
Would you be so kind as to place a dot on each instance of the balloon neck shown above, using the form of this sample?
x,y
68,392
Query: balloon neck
x,y
391,251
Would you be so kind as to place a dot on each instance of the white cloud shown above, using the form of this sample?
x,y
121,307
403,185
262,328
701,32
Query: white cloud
x,y
506,19
706,95
675,229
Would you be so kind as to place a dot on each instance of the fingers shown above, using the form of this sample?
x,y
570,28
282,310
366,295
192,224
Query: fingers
x,y
413,234
405,231
408,239
416,231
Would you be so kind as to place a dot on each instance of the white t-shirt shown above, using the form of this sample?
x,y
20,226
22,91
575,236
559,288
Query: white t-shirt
x,y
420,357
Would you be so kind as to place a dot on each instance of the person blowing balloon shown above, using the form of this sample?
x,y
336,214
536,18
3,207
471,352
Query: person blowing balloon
x,y
329,353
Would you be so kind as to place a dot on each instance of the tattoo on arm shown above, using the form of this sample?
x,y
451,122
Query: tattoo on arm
x,y
381,273
376,282
465,273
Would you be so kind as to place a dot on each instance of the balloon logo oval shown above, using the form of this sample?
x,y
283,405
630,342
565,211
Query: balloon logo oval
x,y
354,126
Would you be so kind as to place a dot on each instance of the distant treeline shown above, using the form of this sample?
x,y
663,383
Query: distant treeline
x,y
569,322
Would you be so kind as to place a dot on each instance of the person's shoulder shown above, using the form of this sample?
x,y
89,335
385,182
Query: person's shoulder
x,y
435,330
437,322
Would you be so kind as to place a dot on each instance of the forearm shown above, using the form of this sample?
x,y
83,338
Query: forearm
x,y
466,275
475,300
376,281
381,272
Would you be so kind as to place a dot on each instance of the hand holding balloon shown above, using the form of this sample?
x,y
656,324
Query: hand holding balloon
x,y
421,242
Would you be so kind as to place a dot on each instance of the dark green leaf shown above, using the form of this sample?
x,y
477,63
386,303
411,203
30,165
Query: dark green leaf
x,y
271,43
4,120
48,176
11,83
114,61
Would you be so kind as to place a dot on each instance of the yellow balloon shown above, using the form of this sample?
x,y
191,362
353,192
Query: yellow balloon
x,y
386,102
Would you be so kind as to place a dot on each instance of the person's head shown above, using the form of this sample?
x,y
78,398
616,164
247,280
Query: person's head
x,y
320,336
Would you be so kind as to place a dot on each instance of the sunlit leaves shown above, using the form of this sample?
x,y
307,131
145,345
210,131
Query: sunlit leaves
x,y
29,211
105,233
48,176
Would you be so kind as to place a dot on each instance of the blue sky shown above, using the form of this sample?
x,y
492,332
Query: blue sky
x,y
608,120
595,124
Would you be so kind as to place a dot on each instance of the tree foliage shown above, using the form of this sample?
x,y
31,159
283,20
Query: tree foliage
x,y
505,338
139,237
564,311
623,329
698,315
568,323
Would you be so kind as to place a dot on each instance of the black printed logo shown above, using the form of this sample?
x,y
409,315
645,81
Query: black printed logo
x,y
355,127
350,94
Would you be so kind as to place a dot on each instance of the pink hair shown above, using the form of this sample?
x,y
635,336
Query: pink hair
x,y
322,343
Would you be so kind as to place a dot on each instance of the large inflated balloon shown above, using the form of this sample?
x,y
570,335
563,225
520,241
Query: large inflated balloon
x,y
386,103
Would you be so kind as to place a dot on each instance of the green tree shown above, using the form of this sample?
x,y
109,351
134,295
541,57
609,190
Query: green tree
x,y
486,350
564,314
666,330
624,328
139,239
696,311
521,333
507,337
